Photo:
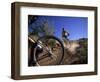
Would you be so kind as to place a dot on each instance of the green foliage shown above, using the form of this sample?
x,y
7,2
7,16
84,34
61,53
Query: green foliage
x,y
83,49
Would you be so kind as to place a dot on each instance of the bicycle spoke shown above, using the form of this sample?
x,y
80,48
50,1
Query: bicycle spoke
x,y
42,57
52,51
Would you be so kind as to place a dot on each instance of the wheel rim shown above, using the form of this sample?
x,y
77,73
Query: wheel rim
x,y
53,55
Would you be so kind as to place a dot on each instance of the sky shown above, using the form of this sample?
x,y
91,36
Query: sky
x,y
76,26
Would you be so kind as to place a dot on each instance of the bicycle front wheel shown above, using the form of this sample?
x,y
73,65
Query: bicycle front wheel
x,y
49,51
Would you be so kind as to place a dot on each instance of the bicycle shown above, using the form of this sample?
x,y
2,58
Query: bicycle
x,y
46,50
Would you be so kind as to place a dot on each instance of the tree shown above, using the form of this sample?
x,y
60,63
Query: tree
x,y
40,27
48,29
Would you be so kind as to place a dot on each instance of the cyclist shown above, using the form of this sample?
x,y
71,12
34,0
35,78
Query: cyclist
x,y
65,39
65,33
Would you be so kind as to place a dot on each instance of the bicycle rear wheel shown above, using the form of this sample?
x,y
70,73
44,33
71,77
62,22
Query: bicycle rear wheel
x,y
49,51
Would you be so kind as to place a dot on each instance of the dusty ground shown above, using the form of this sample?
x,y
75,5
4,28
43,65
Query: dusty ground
x,y
70,56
